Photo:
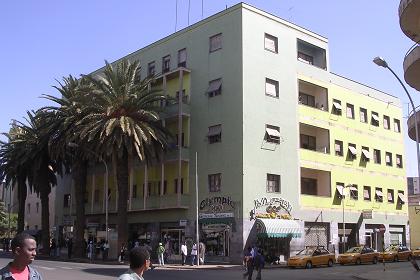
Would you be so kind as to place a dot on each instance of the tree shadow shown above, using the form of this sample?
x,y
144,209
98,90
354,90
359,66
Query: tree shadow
x,y
115,272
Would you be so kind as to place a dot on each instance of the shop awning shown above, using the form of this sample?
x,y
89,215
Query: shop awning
x,y
275,228
401,197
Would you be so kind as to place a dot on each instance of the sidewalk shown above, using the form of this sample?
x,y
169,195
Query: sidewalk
x,y
395,273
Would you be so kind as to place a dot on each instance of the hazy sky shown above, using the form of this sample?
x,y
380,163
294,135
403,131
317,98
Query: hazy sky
x,y
42,41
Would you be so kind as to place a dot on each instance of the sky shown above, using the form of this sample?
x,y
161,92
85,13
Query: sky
x,y
43,41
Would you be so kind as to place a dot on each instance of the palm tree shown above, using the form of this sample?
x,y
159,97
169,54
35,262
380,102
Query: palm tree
x,y
124,122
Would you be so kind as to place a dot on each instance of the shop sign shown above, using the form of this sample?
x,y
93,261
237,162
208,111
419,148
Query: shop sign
x,y
183,223
273,204
217,204
367,214
215,215
92,225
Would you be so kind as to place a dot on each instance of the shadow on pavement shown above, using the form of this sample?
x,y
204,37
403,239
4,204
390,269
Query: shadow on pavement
x,y
105,271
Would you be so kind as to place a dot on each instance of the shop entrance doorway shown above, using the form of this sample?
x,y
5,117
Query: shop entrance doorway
x,y
216,237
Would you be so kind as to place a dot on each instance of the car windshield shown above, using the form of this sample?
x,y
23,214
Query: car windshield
x,y
391,249
306,252
354,250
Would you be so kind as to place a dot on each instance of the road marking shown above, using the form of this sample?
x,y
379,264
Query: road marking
x,y
44,267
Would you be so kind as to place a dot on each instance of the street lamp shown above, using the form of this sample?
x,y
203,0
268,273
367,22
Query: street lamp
x,y
74,145
381,62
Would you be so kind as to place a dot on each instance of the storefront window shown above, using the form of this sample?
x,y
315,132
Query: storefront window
x,y
216,239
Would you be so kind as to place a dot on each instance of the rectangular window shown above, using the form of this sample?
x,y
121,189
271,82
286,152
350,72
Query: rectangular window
x,y
182,58
215,182
308,142
273,183
397,127
165,187
215,42
166,63
270,43
390,196
336,108
176,185
271,87
363,115
367,193
215,88
354,192
215,134
398,161
386,122
306,99
350,111
388,158
151,69
375,119
377,156
272,134
308,186
338,148
352,154
305,58
134,195
365,154
66,202
379,196
401,198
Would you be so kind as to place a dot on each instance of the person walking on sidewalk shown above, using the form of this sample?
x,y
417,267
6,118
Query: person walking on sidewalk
x,y
193,254
249,263
24,252
90,250
184,252
139,263
69,248
105,250
160,251
259,263
122,253
201,252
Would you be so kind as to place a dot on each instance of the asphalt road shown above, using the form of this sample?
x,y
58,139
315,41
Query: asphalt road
x,y
55,270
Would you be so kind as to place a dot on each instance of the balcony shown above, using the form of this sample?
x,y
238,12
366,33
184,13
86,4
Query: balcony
x,y
410,125
171,110
315,182
173,154
163,202
412,67
314,138
311,54
409,12
313,96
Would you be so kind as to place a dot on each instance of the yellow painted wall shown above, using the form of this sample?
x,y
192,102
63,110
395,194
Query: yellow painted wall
x,y
414,226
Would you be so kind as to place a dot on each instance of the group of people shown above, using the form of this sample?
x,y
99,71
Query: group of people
x,y
91,249
253,260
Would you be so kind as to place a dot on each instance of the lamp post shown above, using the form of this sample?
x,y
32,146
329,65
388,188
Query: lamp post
x,y
381,62
74,145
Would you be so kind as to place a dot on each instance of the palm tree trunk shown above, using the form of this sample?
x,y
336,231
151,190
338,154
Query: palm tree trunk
x,y
122,181
80,178
22,192
45,221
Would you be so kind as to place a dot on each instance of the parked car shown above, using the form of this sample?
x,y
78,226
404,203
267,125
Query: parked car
x,y
396,253
358,255
311,257
416,253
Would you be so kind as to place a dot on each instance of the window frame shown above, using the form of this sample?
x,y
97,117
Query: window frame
x,y
308,180
339,153
268,138
304,99
216,92
166,63
184,62
149,67
309,137
274,83
217,138
399,161
350,107
390,191
275,39
387,121
369,189
213,47
277,183
373,121
376,159
388,163
398,123
215,182
363,112
377,197
335,110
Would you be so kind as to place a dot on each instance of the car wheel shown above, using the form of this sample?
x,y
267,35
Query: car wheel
x,y
409,258
358,261
375,260
396,259
330,263
308,265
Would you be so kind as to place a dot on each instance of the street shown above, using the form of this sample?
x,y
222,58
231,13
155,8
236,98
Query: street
x,y
70,271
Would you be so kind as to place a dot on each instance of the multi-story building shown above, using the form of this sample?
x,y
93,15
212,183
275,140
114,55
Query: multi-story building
x,y
289,153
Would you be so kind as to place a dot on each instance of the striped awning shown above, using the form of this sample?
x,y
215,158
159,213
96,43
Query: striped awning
x,y
275,228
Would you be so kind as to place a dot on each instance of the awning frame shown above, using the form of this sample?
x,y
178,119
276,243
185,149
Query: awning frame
x,y
279,228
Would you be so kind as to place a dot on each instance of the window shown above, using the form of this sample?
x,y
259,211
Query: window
x,y
182,58
271,87
379,197
365,154
166,64
215,88
273,183
388,159
307,142
176,185
215,182
37,207
390,196
272,134
306,99
336,108
216,42
376,156
386,122
398,161
397,127
354,192
270,43
367,193
134,195
352,154
28,210
363,115
401,197
151,69
338,148
305,58
350,111
215,134
308,186
66,202
375,119
340,189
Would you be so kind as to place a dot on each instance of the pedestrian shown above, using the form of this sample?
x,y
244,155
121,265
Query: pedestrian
x,y
105,250
259,263
149,249
90,250
122,253
201,252
69,247
184,252
248,260
24,251
53,247
139,259
160,251
193,254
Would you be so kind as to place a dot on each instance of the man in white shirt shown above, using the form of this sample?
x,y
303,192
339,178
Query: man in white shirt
x,y
139,262
184,252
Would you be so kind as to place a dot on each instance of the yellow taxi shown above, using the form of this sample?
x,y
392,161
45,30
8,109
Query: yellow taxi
x,y
358,255
311,257
416,253
396,253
